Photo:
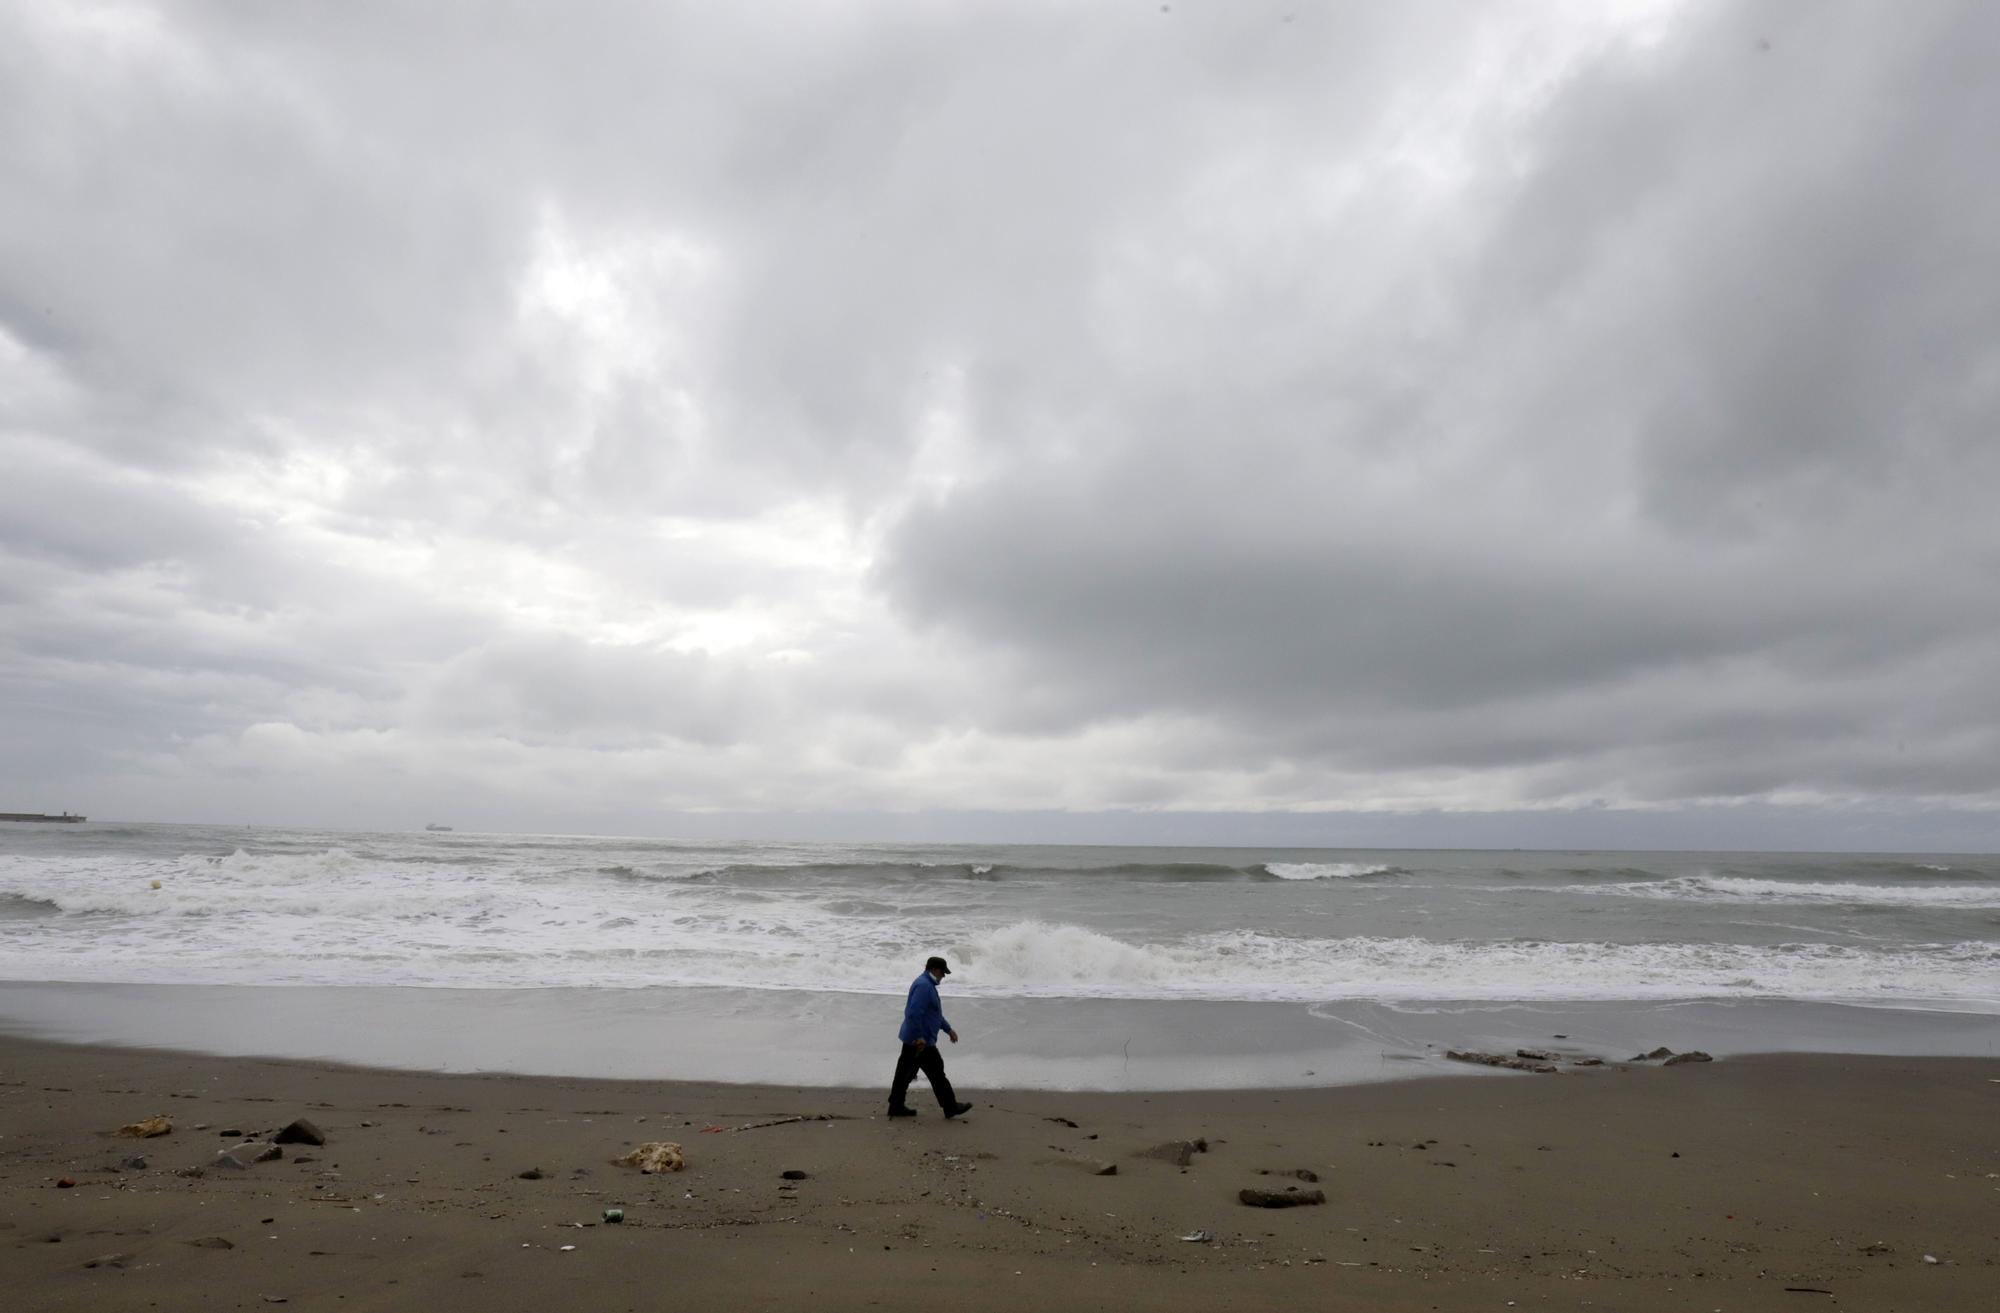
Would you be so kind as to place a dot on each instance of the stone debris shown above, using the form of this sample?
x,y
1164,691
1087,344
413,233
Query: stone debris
x,y
793,1174
1692,1055
1536,1055
147,1129
655,1156
1292,1198
211,1242
1662,1052
532,1174
300,1132
1178,1152
1501,1060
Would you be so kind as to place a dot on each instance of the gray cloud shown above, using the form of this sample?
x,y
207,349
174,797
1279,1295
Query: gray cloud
x,y
578,418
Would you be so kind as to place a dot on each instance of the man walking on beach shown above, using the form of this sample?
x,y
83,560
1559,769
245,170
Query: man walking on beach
x,y
923,1018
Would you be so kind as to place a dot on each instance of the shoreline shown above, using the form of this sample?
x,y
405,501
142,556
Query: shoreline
x,y
836,1040
1732,1182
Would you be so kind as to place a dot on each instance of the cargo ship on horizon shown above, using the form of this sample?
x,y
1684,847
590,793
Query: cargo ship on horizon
x,y
65,819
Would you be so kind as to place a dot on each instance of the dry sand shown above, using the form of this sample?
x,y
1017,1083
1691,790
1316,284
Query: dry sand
x,y
1702,1187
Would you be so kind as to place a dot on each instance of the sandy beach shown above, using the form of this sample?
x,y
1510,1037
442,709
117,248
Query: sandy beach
x,y
1779,1182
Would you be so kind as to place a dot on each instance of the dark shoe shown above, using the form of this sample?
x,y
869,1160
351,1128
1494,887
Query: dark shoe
x,y
958,1109
902,1112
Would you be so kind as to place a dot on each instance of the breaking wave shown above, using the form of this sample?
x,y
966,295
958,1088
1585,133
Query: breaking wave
x,y
1326,870
1735,889
1140,872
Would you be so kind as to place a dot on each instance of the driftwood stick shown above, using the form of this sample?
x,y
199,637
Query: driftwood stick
x,y
787,1121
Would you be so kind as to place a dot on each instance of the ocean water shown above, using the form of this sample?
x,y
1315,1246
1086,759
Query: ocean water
x,y
1165,941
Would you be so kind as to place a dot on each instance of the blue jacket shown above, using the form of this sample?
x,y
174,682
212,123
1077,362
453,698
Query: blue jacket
x,y
923,1015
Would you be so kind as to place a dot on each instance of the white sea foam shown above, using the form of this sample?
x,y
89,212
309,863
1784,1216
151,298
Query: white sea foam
x,y
379,915
1033,959
1734,889
1325,870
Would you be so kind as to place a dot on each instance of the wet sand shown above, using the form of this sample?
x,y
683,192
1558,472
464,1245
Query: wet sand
x,y
1780,1182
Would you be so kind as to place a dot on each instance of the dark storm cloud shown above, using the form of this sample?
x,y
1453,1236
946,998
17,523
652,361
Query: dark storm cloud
x,y
1690,496
633,407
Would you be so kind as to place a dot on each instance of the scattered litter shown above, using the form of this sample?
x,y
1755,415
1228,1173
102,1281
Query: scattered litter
x,y
147,1129
614,1215
1196,1237
1930,1258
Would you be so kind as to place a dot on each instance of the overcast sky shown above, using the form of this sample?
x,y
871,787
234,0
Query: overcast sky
x,y
1541,424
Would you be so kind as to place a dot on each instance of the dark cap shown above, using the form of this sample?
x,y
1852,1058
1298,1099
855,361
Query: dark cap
x,y
937,964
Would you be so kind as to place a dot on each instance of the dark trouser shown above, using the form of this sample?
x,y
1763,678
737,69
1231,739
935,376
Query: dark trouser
x,y
931,1062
